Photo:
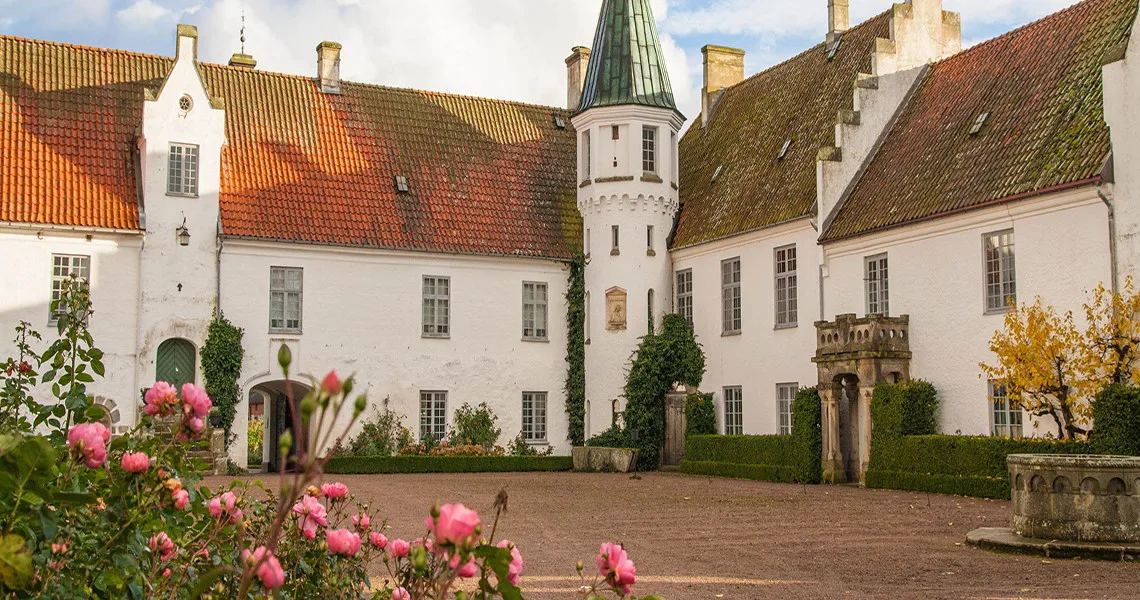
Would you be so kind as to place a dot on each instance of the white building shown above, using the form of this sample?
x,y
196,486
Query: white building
x,y
421,240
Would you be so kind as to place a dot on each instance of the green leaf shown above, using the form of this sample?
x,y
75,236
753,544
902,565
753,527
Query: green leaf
x,y
15,562
653,597
49,375
48,521
97,366
207,579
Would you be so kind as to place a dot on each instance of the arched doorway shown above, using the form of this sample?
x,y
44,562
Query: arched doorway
x,y
175,363
280,398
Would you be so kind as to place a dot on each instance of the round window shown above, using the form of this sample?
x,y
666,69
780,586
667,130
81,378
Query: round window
x,y
185,103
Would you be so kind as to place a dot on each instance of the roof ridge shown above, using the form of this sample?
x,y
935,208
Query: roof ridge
x,y
263,72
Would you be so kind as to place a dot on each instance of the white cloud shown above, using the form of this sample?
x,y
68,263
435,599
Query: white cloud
x,y
143,13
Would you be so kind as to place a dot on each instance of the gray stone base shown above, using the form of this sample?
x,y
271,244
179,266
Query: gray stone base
x,y
613,460
1004,539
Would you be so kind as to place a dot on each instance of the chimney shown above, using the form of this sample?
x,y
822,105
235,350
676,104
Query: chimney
x,y
243,61
724,67
328,67
838,18
187,42
576,66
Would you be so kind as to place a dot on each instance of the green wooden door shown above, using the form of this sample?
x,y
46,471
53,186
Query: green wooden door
x,y
175,364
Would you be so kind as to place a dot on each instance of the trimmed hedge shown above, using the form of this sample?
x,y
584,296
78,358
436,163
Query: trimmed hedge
x,y
774,450
361,465
700,415
1116,414
807,434
776,473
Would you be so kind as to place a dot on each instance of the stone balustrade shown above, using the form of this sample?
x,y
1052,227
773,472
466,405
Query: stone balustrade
x,y
870,334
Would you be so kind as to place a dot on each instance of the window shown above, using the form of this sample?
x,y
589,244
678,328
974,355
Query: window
x,y
285,287
534,417
586,155
63,268
730,293
785,398
1006,420
1001,280
649,149
534,310
183,176
616,132
616,239
685,295
733,411
787,301
878,292
650,303
587,249
586,318
649,239
433,415
673,149
437,306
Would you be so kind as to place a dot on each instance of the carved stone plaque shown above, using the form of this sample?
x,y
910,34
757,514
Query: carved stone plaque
x,y
615,309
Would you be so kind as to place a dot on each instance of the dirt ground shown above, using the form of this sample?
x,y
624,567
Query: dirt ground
x,y
700,537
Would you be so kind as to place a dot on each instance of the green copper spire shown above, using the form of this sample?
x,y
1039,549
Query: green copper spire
x,y
626,63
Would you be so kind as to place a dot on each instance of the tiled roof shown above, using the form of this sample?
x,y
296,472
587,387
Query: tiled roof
x,y
1041,85
485,176
626,64
798,100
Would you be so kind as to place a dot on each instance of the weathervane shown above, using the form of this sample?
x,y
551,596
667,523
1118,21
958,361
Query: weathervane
x,y
243,31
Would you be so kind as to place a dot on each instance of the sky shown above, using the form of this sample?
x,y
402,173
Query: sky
x,y
510,49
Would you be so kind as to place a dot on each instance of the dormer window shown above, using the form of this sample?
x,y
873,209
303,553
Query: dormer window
x,y
182,179
401,183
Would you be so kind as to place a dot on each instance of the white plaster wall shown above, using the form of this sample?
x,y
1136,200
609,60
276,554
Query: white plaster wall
x,y
1121,98
632,203
180,283
761,356
27,266
936,275
362,315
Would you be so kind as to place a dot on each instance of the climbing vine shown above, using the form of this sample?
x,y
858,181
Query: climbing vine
x,y
222,356
663,359
576,350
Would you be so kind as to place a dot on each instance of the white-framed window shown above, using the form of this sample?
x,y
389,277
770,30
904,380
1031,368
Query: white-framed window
x,y
1006,420
878,290
182,178
649,238
733,410
534,417
685,295
286,285
673,149
649,301
534,310
586,155
615,239
785,398
437,306
787,294
649,149
63,267
730,295
433,415
1001,277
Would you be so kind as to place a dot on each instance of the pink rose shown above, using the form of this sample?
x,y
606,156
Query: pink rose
x,y
269,570
181,499
196,399
361,521
225,503
614,564
401,594
331,384
311,515
334,491
59,548
456,525
166,573
160,399
468,570
135,462
400,548
516,567
89,440
162,545
378,540
342,541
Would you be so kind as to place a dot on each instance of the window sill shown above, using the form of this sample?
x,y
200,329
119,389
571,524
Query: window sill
x,y
586,183
652,178
1000,311
786,326
587,342
436,336
615,252
287,332
674,184
537,340
181,195
731,333
651,252
613,179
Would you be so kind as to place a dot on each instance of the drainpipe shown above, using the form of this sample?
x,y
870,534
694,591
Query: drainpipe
x,y
822,255
218,275
1108,176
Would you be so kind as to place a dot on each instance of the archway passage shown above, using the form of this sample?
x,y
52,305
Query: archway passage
x,y
853,356
175,362
280,398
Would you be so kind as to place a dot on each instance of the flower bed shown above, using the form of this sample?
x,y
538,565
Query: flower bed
x,y
361,465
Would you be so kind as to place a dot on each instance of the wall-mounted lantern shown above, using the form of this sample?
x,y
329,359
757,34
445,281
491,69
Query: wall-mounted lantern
x,y
183,233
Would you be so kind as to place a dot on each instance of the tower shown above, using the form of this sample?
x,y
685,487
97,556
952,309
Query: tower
x,y
628,128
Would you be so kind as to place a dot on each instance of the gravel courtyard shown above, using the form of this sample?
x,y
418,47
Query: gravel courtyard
x,y
700,537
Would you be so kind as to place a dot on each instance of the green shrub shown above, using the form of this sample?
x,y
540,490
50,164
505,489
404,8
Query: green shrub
x,y
520,447
353,465
958,485
776,473
222,356
907,408
807,436
775,450
700,415
475,426
1116,418
611,438
383,434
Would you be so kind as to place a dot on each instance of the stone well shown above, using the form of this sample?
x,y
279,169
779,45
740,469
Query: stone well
x,y
1076,497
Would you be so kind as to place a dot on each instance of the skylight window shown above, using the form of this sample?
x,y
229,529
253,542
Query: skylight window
x,y
716,174
833,47
560,121
784,150
401,184
979,123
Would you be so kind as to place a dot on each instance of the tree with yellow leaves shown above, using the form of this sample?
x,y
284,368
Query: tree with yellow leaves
x,y
1051,369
